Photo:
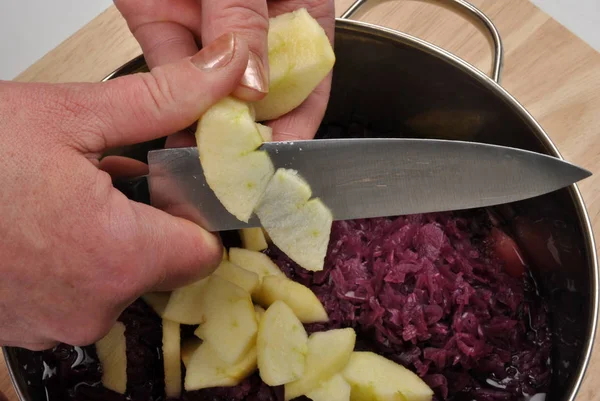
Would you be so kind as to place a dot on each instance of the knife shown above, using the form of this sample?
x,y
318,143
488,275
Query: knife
x,y
362,178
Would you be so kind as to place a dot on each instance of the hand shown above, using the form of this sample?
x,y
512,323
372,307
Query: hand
x,y
75,252
170,30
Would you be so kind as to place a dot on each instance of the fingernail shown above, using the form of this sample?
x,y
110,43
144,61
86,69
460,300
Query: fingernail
x,y
217,54
255,77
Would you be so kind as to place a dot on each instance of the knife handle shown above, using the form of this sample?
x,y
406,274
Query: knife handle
x,y
134,188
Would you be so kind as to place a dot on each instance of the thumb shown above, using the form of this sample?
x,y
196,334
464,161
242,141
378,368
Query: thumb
x,y
146,106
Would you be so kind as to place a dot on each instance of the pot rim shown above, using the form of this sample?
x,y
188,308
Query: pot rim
x,y
406,39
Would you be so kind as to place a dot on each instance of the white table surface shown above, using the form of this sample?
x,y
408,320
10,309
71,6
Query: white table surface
x,y
30,28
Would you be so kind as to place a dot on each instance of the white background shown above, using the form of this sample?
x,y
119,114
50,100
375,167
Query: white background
x,y
30,28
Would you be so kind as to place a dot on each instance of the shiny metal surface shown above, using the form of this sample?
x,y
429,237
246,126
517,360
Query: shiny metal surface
x,y
396,85
360,178
498,60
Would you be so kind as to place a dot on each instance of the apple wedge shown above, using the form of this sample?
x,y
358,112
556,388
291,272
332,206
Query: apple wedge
x,y
266,132
157,301
334,389
298,225
373,377
183,305
172,358
328,353
256,262
229,320
246,280
281,345
299,298
228,139
260,312
253,239
300,56
112,355
205,369
188,347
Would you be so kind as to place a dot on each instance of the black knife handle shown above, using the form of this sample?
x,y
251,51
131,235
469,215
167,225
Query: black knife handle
x,y
134,188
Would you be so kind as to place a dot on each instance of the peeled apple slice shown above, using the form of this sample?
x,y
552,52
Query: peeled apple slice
x,y
299,298
253,239
256,262
157,301
246,280
281,345
298,225
205,369
373,377
328,353
188,347
229,320
300,56
172,358
227,139
183,304
266,132
334,389
111,352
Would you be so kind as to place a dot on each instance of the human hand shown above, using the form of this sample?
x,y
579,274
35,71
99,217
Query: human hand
x,y
76,252
168,31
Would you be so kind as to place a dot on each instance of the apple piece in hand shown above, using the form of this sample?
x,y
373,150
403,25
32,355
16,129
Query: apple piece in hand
x,y
266,132
334,389
112,355
328,354
183,306
373,377
300,57
253,239
238,173
158,301
206,370
171,346
256,262
246,280
299,298
298,225
188,347
230,320
281,345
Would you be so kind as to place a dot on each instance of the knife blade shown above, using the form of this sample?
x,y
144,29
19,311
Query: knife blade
x,y
362,178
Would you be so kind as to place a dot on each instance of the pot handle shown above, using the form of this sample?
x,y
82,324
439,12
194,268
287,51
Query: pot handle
x,y
471,9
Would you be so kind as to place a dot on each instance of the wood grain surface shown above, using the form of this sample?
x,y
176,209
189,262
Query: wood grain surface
x,y
554,74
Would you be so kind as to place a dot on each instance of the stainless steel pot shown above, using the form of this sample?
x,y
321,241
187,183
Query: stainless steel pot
x,y
399,85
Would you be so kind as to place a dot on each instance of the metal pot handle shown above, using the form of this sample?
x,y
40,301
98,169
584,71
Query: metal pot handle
x,y
471,9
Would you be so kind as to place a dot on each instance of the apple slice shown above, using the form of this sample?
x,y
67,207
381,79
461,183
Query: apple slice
x,y
281,345
230,320
112,355
157,301
246,280
300,56
225,256
328,353
183,304
188,347
298,226
227,139
253,239
256,262
334,389
260,312
266,132
299,298
172,358
205,369
374,377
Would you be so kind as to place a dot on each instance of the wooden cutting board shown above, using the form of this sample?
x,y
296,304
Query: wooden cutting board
x,y
554,74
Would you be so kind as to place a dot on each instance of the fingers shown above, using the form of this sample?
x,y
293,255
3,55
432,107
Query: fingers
x,y
121,167
165,30
249,19
176,251
142,107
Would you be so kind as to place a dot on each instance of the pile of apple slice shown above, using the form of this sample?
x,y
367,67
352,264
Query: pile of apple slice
x,y
243,177
236,336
